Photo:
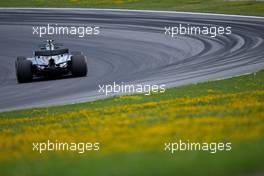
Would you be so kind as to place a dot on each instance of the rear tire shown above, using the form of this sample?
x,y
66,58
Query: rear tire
x,y
78,66
24,71
20,58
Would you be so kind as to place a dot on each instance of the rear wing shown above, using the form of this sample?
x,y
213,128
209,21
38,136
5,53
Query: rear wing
x,y
52,52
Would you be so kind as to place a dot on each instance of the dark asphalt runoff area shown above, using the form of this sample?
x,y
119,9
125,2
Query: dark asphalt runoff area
x,y
131,48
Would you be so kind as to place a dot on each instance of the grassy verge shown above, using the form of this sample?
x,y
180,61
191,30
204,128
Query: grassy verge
x,y
249,7
132,131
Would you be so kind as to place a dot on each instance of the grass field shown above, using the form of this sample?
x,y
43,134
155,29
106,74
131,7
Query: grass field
x,y
247,7
132,131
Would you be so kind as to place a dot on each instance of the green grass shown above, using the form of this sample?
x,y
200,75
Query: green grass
x,y
245,158
248,7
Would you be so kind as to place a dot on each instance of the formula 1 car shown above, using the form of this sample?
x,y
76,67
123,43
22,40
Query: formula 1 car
x,y
49,61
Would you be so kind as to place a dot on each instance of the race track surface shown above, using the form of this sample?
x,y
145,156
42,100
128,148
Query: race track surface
x,y
131,48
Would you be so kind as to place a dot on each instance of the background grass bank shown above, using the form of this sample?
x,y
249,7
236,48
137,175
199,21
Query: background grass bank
x,y
247,7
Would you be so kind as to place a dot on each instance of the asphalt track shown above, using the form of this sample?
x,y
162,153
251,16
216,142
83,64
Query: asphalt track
x,y
131,48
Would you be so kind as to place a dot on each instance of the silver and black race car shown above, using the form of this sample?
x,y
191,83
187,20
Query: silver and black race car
x,y
50,60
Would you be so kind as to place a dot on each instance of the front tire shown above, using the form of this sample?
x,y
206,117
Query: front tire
x,y
24,71
78,66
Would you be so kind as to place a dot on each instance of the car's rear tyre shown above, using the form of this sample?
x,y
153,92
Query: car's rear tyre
x,y
78,66
19,58
24,71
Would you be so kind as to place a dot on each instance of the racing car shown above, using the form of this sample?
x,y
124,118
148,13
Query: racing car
x,y
50,60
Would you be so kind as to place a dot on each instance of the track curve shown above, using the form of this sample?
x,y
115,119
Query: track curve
x,y
131,48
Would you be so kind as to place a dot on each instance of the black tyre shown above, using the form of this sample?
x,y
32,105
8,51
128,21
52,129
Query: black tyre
x,y
19,58
79,66
24,71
